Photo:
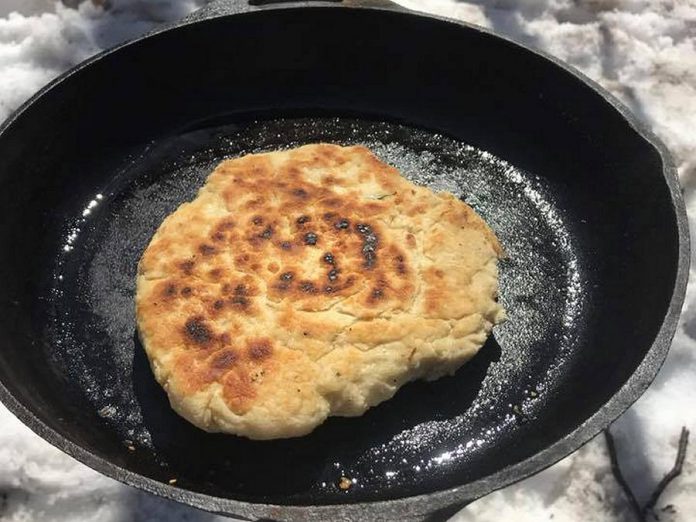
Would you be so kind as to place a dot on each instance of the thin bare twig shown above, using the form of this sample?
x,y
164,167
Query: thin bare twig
x,y
672,474
641,513
618,475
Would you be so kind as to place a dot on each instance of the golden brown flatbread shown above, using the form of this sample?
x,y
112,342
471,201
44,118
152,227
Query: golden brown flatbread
x,y
311,282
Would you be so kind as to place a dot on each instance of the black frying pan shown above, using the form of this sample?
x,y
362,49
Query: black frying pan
x,y
584,199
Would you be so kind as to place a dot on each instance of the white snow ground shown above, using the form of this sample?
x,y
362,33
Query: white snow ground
x,y
644,51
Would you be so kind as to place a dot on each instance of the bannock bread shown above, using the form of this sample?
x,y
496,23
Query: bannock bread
x,y
311,282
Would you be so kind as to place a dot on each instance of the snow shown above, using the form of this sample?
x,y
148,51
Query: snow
x,y
642,51
35,49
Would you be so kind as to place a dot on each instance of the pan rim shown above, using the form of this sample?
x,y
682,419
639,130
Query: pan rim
x,y
417,505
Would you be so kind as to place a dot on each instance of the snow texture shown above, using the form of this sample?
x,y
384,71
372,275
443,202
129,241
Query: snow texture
x,y
641,50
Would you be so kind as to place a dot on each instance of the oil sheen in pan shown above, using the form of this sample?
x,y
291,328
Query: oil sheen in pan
x,y
392,444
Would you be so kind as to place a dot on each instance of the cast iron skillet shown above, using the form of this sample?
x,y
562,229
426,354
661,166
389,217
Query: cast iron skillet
x,y
584,199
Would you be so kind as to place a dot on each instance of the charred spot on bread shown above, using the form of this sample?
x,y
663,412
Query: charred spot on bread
x,y
198,331
224,359
259,349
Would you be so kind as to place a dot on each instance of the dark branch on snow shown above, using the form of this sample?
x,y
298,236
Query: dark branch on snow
x,y
618,475
673,473
640,513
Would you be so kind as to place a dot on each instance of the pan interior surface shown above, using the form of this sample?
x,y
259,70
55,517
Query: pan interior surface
x,y
459,426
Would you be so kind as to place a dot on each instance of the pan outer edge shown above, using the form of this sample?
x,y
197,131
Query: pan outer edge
x,y
445,502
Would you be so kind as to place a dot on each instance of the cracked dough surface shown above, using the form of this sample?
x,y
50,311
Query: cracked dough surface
x,y
311,282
